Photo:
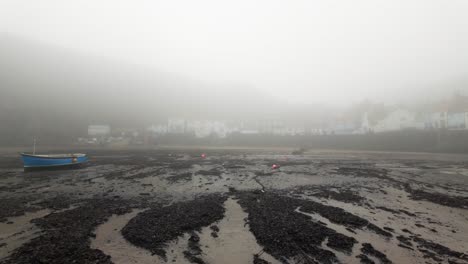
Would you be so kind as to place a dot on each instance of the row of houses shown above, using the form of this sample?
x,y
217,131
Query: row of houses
x,y
103,134
402,119
222,129
451,114
399,119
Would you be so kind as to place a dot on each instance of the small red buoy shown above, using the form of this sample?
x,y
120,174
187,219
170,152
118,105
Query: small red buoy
x,y
203,155
275,166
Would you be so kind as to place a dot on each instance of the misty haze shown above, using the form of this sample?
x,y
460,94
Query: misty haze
x,y
233,131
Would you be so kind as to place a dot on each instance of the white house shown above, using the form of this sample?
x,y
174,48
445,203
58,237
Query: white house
x,y
437,120
98,130
158,129
206,128
398,120
176,125
466,120
457,120
365,125
249,132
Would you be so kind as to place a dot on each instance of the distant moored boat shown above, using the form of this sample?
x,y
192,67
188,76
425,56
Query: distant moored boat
x,y
55,160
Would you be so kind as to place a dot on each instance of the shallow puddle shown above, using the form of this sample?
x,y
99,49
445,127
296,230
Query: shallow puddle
x,y
20,231
112,243
235,243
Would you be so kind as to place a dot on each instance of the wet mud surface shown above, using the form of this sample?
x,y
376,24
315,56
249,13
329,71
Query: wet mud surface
x,y
285,233
154,228
174,206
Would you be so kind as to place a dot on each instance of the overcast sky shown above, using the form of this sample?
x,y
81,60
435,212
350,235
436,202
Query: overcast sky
x,y
303,51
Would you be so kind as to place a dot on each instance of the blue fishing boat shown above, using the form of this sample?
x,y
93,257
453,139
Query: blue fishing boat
x,y
55,160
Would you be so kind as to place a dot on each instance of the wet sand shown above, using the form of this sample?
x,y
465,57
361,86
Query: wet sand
x,y
410,208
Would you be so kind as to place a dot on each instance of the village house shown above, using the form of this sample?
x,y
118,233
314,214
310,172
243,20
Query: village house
x,y
205,128
457,120
98,130
399,119
437,120
450,114
176,125
158,129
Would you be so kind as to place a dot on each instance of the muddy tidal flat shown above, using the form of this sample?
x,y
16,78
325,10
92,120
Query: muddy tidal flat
x,y
231,206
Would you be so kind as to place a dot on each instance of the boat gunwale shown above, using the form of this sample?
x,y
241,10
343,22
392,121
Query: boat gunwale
x,y
65,156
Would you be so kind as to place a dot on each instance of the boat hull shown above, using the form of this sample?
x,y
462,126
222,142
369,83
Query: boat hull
x,y
45,161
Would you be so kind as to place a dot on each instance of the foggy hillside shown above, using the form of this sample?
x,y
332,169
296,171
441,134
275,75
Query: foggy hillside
x,y
35,75
52,91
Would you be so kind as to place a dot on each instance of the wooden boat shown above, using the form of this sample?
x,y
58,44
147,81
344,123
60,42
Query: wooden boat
x,y
55,160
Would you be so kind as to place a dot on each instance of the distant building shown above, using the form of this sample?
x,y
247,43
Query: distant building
x,y
249,132
457,120
158,129
398,120
437,120
176,125
98,130
466,120
345,128
449,114
365,125
205,128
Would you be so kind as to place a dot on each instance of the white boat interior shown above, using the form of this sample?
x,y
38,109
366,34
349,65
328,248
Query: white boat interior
x,y
71,155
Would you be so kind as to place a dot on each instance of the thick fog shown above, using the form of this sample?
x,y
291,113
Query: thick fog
x,y
144,61
307,51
